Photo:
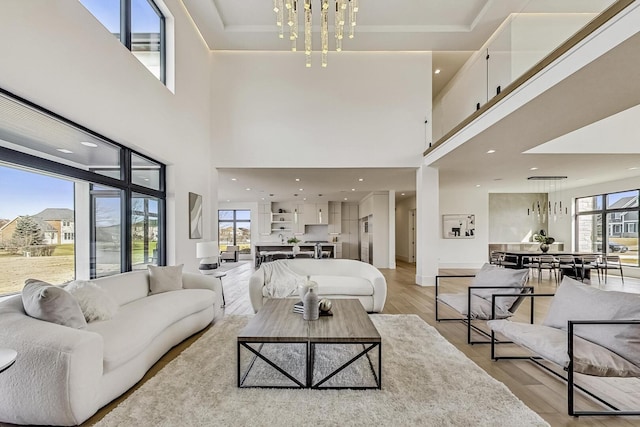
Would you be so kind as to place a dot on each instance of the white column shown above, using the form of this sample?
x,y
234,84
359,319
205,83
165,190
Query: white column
x,y
427,225
82,237
392,229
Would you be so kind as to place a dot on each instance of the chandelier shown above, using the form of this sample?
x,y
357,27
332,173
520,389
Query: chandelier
x,y
341,7
544,209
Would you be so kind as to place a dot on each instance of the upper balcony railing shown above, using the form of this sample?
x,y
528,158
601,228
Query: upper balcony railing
x,y
524,45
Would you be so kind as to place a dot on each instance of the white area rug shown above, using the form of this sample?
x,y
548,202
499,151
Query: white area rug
x,y
425,381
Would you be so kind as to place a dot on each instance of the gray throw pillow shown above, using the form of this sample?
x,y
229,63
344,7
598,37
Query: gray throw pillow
x,y
576,301
50,303
499,277
164,279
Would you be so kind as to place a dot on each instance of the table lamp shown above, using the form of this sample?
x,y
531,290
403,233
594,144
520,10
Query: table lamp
x,y
209,253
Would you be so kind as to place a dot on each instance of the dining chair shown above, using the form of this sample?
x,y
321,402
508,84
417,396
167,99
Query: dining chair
x,y
548,262
567,266
507,261
610,262
588,263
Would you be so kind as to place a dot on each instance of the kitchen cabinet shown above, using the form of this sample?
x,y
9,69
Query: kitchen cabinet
x,y
298,218
264,218
316,213
349,234
335,217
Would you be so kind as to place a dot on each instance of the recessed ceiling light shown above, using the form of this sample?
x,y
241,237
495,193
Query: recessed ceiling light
x,y
248,189
228,200
437,71
477,185
353,189
491,151
346,198
263,198
402,194
146,179
64,150
633,168
297,179
533,169
304,198
300,189
234,179
88,144
360,179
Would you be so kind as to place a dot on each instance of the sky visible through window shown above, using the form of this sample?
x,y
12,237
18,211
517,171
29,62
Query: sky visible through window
x,y
108,13
27,193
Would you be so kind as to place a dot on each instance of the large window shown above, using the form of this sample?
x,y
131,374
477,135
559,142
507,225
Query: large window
x,y
73,203
234,229
608,223
139,25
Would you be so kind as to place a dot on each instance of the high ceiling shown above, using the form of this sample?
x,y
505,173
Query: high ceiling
x,y
452,30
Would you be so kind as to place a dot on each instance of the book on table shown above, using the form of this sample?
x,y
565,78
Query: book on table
x,y
298,307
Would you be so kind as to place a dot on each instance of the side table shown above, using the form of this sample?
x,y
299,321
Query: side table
x,y
7,358
220,275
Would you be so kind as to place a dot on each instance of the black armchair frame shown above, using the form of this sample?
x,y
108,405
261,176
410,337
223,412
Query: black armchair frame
x,y
570,377
468,319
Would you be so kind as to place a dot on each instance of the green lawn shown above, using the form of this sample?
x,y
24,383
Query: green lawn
x,y
66,249
138,251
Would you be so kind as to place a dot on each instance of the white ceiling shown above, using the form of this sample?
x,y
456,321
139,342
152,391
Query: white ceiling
x,y
452,30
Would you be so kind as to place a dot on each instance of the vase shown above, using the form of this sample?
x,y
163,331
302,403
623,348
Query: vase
x,y
303,288
311,309
295,249
544,247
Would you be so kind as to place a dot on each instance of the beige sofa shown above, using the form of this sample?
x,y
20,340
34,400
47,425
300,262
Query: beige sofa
x,y
62,375
336,278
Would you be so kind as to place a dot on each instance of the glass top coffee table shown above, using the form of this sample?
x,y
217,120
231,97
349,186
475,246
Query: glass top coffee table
x,y
292,347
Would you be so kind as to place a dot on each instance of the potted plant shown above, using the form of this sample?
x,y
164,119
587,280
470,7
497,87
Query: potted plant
x,y
544,240
294,241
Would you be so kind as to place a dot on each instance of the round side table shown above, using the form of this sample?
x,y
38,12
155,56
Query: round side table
x,y
7,358
220,275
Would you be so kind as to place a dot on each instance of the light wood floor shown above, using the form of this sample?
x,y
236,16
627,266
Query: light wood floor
x,y
538,389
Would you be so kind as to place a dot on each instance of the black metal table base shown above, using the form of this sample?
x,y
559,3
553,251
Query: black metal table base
x,y
310,351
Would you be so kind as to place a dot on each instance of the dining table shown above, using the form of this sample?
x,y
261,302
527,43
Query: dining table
x,y
518,257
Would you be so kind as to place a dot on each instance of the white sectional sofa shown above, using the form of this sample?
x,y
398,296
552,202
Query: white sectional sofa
x,y
63,375
336,278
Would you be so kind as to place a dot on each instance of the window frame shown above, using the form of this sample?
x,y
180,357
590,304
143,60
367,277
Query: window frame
x,y
235,222
128,188
605,212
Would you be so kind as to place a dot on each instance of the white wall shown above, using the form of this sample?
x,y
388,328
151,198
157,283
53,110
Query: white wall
x,y
366,109
464,253
56,54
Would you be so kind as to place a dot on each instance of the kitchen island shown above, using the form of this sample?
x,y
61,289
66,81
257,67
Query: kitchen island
x,y
266,250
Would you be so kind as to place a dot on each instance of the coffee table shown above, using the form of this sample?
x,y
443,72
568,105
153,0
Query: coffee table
x,y
276,323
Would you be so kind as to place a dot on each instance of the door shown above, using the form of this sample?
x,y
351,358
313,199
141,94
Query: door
x,y
412,235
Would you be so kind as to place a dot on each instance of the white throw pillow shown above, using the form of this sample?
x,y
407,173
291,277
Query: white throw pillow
x,y
576,301
164,279
499,277
95,302
44,301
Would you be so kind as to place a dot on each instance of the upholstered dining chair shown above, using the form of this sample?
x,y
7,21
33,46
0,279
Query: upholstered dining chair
x,y
610,262
588,263
230,254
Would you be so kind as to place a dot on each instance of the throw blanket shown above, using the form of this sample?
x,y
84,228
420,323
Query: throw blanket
x,y
280,281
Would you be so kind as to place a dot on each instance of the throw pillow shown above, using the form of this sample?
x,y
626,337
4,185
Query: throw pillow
x,y
50,303
95,302
576,301
164,279
499,277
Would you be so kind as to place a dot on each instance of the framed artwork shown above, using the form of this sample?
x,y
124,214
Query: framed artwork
x,y
195,216
462,226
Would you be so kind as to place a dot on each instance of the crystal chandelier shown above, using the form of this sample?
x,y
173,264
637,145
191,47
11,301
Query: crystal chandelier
x,y
341,7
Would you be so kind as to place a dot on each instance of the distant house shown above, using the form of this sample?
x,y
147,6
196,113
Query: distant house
x,y
57,226
62,219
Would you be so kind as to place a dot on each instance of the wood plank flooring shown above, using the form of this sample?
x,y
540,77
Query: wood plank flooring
x,y
541,391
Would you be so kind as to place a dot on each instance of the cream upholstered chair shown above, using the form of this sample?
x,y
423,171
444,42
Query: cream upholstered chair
x,y
230,254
